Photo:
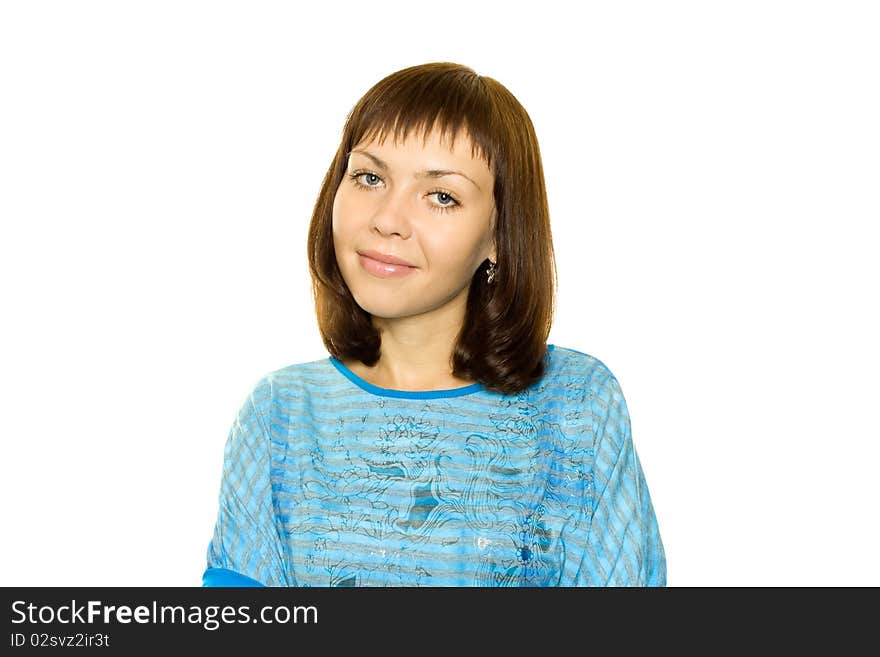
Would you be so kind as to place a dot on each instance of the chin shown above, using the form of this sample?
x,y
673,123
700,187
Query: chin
x,y
372,301
384,311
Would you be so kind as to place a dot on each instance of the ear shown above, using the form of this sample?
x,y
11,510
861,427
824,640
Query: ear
x,y
493,255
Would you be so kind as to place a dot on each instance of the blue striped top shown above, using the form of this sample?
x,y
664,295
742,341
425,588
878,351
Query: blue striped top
x,y
329,480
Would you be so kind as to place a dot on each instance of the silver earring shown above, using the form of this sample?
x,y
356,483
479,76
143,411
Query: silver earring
x,y
490,273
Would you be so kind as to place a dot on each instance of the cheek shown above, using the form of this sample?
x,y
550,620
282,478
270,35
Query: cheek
x,y
342,215
449,252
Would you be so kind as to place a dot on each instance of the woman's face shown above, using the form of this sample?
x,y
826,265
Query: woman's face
x,y
443,225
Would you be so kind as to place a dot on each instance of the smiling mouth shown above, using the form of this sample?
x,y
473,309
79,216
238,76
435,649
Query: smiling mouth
x,y
384,269
381,257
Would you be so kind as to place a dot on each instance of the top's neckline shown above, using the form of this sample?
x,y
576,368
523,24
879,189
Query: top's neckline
x,y
407,394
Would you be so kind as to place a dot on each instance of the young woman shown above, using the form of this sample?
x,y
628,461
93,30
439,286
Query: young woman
x,y
443,442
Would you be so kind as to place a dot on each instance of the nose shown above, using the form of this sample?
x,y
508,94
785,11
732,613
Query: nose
x,y
393,213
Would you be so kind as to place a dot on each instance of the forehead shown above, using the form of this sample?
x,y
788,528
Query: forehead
x,y
433,146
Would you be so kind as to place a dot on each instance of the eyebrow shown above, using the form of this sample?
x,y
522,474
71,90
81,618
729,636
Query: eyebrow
x,y
427,173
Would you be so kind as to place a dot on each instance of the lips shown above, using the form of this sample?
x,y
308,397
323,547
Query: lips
x,y
384,257
384,269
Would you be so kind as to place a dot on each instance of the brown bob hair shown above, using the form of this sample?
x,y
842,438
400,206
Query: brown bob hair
x,y
503,338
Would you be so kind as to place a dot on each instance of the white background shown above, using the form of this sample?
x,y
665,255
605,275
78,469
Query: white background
x,y
713,173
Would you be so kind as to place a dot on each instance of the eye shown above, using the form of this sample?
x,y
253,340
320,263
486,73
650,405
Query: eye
x,y
357,174
441,194
445,206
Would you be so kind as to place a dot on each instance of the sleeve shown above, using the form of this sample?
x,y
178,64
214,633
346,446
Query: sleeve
x,y
246,548
623,542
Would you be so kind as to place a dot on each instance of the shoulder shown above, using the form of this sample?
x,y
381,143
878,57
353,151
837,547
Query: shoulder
x,y
592,391
582,372
276,392
287,379
602,402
